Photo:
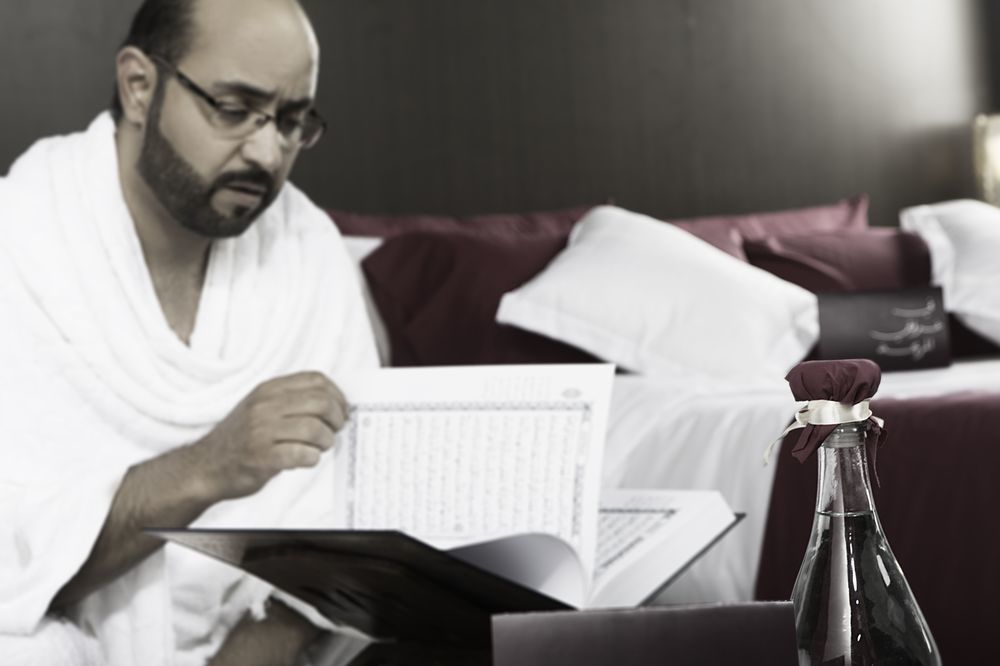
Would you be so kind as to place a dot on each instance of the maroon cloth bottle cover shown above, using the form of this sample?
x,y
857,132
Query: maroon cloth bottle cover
x,y
846,381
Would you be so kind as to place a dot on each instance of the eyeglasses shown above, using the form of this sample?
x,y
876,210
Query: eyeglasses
x,y
238,121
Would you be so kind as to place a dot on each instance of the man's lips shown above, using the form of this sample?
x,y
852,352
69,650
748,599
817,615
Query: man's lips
x,y
246,195
248,188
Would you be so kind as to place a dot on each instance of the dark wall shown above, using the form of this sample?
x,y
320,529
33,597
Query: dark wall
x,y
671,107
990,15
56,66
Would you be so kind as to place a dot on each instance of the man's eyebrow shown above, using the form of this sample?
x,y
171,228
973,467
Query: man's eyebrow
x,y
259,95
294,105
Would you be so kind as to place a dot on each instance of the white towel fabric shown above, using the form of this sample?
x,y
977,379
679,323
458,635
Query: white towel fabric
x,y
93,380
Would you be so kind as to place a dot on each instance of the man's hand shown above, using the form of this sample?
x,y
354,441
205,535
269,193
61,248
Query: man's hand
x,y
282,424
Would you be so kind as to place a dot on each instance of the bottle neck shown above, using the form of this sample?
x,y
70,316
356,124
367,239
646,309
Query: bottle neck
x,y
844,486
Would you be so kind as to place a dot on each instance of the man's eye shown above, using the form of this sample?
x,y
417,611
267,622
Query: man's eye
x,y
232,115
289,124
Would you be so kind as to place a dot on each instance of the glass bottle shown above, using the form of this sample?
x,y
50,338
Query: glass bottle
x,y
853,607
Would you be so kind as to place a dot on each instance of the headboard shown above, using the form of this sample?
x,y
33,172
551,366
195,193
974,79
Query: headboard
x,y
670,107
674,108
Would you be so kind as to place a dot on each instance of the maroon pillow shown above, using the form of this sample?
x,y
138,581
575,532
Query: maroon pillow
x,y
438,295
727,232
501,225
878,258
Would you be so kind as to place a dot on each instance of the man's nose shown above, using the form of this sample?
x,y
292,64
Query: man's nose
x,y
265,148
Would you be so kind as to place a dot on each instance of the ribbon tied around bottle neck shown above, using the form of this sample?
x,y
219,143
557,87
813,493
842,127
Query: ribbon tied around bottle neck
x,y
825,413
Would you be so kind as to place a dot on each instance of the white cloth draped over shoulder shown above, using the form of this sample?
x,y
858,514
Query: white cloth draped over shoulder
x,y
93,380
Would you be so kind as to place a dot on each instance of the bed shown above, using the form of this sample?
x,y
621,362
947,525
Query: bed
x,y
686,415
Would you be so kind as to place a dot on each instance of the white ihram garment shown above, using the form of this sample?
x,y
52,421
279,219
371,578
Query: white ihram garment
x,y
93,380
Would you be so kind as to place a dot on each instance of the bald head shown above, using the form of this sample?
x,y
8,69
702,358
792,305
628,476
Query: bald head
x,y
267,43
257,23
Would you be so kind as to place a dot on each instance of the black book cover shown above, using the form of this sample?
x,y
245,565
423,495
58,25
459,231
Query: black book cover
x,y
381,582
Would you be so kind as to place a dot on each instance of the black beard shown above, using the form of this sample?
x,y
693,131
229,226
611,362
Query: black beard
x,y
185,196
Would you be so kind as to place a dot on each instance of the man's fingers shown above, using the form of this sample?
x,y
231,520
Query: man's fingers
x,y
289,455
309,430
303,381
322,405
304,394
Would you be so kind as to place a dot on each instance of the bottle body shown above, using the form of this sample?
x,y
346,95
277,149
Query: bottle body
x,y
853,606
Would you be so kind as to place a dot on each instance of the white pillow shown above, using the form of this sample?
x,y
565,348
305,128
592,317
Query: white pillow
x,y
359,247
964,241
653,298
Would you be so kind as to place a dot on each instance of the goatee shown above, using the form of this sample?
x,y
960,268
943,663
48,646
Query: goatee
x,y
188,198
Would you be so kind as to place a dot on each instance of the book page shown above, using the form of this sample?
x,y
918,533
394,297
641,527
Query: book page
x,y
455,455
625,527
647,536
541,562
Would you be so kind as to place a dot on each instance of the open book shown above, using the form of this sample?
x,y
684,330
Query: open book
x,y
465,491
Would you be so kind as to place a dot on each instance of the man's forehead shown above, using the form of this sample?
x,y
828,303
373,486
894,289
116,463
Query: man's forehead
x,y
264,44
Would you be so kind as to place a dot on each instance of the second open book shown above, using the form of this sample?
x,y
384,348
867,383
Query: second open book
x,y
499,467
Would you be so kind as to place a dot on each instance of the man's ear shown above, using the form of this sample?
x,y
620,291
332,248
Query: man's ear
x,y
137,77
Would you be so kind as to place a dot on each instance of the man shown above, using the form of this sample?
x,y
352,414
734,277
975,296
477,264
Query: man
x,y
172,313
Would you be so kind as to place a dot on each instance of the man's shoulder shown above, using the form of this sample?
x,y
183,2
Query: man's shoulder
x,y
61,146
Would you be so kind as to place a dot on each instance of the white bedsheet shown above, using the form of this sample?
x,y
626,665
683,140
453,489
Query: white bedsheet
x,y
664,433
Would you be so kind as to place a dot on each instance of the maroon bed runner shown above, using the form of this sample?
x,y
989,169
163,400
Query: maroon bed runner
x,y
938,502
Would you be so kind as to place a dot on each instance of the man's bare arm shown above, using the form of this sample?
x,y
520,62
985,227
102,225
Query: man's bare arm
x,y
164,491
282,424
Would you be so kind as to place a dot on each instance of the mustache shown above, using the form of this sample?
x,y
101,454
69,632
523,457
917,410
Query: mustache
x,y
247,176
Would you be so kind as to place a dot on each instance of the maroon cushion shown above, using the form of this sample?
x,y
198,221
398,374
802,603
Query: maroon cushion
x,y
727,232
879,258
503,225
438,295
